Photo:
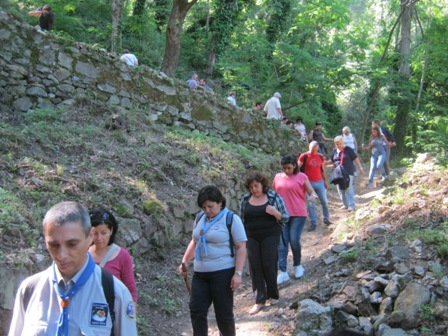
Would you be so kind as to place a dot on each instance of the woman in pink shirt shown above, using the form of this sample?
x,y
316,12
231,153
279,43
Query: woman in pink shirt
x,y
292,185
108,255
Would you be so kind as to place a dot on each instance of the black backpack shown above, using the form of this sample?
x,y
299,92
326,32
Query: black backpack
x,y
229,222
107,282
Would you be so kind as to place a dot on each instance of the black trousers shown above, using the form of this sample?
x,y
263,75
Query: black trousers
x,y
208,287
263,257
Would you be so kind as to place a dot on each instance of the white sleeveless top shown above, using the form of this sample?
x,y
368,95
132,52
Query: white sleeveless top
x,y
349,140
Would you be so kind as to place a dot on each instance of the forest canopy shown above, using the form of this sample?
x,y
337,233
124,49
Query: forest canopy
x,y
341,62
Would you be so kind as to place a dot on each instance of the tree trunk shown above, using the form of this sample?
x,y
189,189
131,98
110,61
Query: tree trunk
x,y
173,35
404,72
117,9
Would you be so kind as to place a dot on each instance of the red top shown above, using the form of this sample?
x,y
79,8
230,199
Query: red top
x,y
313,166
292,189
122,267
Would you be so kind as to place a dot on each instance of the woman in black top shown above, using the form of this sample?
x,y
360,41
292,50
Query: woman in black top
x,y
264,213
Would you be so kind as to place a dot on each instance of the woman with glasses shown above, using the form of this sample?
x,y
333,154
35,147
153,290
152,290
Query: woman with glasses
x,y
107,254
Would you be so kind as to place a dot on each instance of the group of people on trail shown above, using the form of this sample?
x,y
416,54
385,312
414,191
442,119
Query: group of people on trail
x,y
90,287
272,218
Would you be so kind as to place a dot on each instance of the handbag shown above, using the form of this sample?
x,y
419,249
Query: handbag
x,y
339,176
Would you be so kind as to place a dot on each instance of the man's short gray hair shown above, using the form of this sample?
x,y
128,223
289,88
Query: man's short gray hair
x,y
313,144
277,94
68,212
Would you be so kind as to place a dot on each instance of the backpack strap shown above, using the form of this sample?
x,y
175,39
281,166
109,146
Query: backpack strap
x,y
302,167
229,221
107,281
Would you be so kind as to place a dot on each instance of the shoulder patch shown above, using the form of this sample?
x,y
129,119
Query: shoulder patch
x,y
130,311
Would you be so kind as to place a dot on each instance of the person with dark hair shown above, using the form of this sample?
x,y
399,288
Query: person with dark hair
x,y
231,98
258,106
387,145
219,252
109,255
293,187
46,17
318,135
70,297
378,156
264,214
301,129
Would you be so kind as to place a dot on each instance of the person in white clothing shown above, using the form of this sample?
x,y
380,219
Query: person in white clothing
x,y
68,298
128,58
231,98
273,108
349,139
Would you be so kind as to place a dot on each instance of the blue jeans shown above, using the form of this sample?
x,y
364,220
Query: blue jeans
x,y
348,195
208,287
291,234
377,162
319,188
322,149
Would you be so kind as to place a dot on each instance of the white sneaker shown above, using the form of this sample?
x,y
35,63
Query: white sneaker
x,y
299,271
343,207
282,277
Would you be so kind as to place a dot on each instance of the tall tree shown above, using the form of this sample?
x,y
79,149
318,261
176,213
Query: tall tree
x,y
173,35
404,99
117,9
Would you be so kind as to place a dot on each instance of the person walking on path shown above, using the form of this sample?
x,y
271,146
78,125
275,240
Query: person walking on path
x,y
68,298
312,163
273,108
391,143
378,154
349,139
293,186
219,254
109,255
317,135
264,214
346,157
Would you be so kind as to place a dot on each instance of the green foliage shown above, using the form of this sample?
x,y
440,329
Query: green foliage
x,y
152,208
350,255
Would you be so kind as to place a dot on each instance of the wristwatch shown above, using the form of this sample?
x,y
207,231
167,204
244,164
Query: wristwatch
x,y
240,273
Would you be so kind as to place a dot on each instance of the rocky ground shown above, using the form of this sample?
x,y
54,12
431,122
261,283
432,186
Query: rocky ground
x,y
320,273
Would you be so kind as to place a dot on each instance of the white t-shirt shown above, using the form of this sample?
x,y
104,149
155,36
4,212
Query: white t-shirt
x,y
271,108
129,59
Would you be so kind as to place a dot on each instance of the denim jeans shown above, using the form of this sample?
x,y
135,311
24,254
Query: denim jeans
x,y
322,149
208,287
319,188
291,234
348,195
377,162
